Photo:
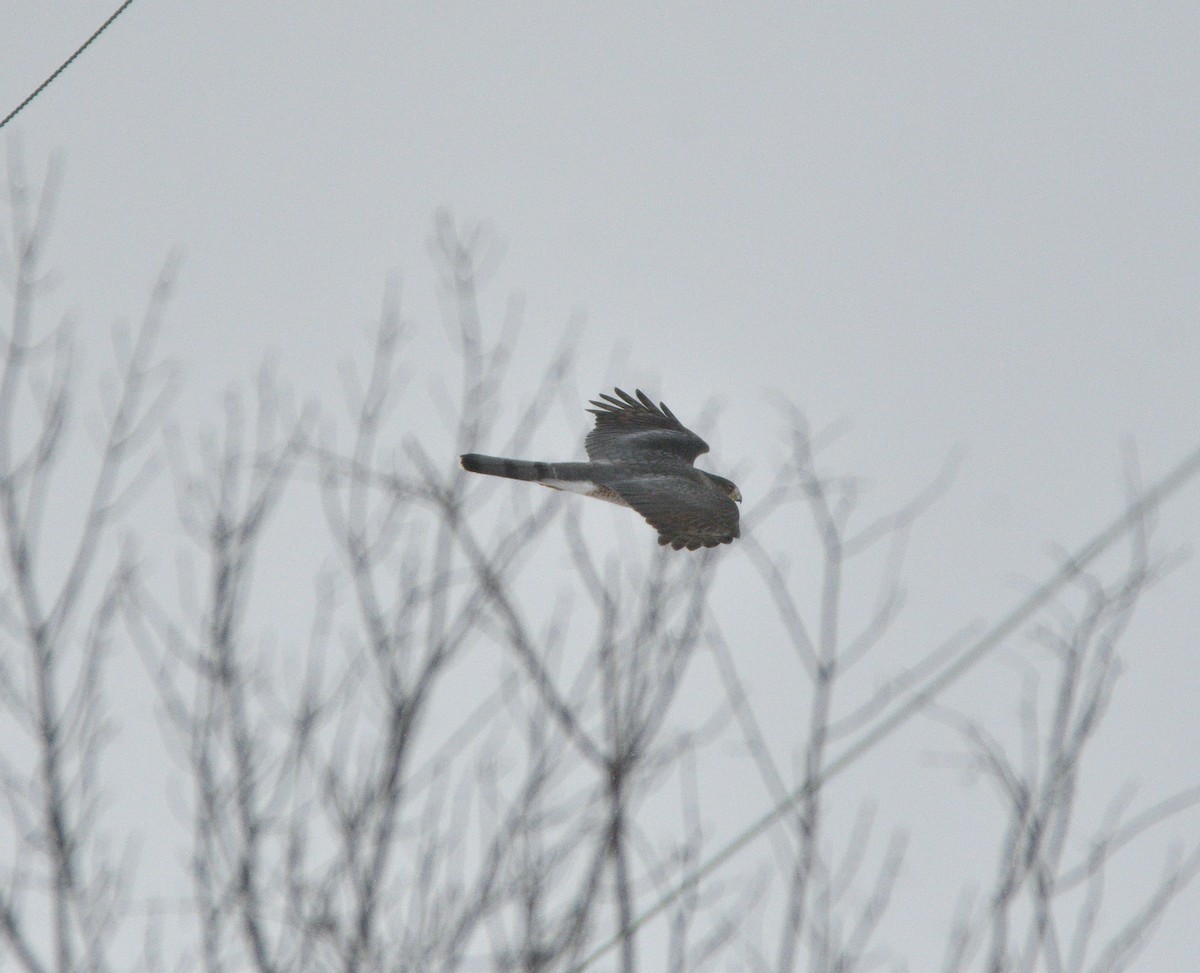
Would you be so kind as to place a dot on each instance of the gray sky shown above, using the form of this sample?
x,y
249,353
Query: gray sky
x,y
951,225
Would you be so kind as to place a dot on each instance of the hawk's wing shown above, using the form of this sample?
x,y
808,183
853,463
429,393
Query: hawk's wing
x,y
632,430
685,510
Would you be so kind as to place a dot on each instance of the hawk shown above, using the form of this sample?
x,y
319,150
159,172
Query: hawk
x,y
641,457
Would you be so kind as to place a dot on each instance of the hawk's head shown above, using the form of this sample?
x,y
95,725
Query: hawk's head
x,y
727,487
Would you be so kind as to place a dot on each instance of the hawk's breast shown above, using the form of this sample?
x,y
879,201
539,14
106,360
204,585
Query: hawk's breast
x,y
588,489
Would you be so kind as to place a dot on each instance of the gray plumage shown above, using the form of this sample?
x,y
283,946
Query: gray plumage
x,y
641,457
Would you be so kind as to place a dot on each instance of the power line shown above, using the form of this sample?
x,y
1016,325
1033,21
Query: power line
x,y
67,63
932,688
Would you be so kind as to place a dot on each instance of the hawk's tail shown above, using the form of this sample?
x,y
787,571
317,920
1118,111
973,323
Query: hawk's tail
x,y
514,469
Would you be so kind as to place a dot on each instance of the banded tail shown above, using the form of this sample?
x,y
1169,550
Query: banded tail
x,y
514,469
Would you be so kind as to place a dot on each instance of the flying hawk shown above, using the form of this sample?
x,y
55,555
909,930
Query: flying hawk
x,y
641,457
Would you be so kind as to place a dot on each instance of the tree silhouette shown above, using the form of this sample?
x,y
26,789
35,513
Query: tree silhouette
x,y
458,768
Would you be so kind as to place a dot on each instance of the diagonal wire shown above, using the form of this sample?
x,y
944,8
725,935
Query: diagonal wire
x,y
936,684
66,64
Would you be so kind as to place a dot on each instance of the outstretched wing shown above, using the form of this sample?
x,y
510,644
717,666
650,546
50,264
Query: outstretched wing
x,y
637,430
686,511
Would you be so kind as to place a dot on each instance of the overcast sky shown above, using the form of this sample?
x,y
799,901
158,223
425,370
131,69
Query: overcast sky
x,y
954,225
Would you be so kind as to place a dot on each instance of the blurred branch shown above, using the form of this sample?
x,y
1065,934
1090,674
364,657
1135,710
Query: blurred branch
x,y
1025,921
920,699
62,893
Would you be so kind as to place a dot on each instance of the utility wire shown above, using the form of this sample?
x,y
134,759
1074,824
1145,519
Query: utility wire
x,y
66,64
936,684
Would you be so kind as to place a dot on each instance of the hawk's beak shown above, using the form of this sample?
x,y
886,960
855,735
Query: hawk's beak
x,y
736,495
